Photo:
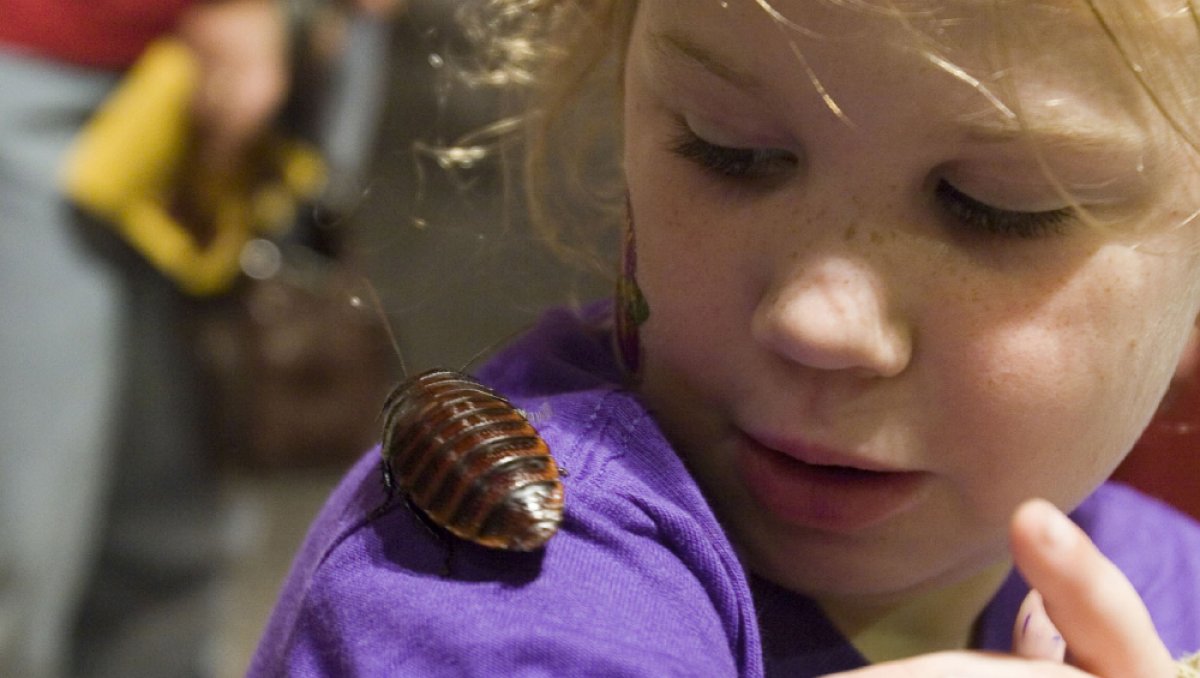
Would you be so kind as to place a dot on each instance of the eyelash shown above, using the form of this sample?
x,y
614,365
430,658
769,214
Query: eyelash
x,y
981,217
727,161
752,164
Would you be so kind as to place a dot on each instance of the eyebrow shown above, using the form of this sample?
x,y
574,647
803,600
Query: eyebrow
x,y
676,45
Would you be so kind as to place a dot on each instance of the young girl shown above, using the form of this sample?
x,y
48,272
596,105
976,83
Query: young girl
x,y
907,265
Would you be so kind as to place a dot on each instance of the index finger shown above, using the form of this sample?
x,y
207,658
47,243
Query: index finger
x,y
1107,628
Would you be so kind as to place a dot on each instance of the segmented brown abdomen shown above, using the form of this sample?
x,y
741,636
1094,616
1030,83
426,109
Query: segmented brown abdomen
x,y
471,462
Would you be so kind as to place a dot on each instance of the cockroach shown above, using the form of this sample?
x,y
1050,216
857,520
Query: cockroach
x,y
470,462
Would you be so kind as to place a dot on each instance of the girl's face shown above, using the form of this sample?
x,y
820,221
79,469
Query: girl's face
x,y
875,325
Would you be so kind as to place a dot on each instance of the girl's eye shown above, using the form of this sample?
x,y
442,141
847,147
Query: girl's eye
x,y
740,163
985,218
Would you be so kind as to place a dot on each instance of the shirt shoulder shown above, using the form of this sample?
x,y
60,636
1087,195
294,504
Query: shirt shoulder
x,y
638,551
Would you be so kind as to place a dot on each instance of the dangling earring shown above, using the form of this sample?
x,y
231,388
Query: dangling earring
x,y
631,307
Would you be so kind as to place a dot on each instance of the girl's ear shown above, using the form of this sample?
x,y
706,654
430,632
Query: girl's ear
x,y
1190,359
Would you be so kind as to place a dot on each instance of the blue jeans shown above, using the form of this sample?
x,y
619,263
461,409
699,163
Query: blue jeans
x,y
106,504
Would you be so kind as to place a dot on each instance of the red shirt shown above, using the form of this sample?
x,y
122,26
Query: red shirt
x,y
102,33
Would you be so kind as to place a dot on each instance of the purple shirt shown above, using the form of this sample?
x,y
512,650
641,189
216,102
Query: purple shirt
x,y
640,579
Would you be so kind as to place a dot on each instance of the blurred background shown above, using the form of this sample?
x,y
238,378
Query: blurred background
x,y
423,234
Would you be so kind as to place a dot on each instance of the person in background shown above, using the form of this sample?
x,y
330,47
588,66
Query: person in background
x,y
109,533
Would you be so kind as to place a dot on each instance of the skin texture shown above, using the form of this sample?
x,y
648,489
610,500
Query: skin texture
x,y
834,303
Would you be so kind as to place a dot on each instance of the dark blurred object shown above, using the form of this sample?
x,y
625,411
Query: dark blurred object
x,y
298,361
1165,462
340,78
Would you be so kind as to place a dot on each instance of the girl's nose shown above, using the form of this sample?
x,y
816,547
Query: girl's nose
x,y
834,315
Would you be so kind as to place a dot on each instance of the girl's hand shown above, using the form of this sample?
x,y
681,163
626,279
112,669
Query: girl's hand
x,y
1106,627
1105,624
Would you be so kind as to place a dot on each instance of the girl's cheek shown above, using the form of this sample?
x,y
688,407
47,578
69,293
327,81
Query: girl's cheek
x,y
1049,404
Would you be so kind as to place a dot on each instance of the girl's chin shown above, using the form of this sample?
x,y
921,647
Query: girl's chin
x,y
882,568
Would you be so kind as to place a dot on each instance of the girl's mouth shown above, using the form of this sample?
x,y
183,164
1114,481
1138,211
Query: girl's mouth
x,y
830,497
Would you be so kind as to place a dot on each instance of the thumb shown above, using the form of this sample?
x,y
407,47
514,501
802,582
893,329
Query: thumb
x,y
1034,635
1102,618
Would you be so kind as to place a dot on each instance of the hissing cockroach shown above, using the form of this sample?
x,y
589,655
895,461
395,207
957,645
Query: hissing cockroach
x,y
470,461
